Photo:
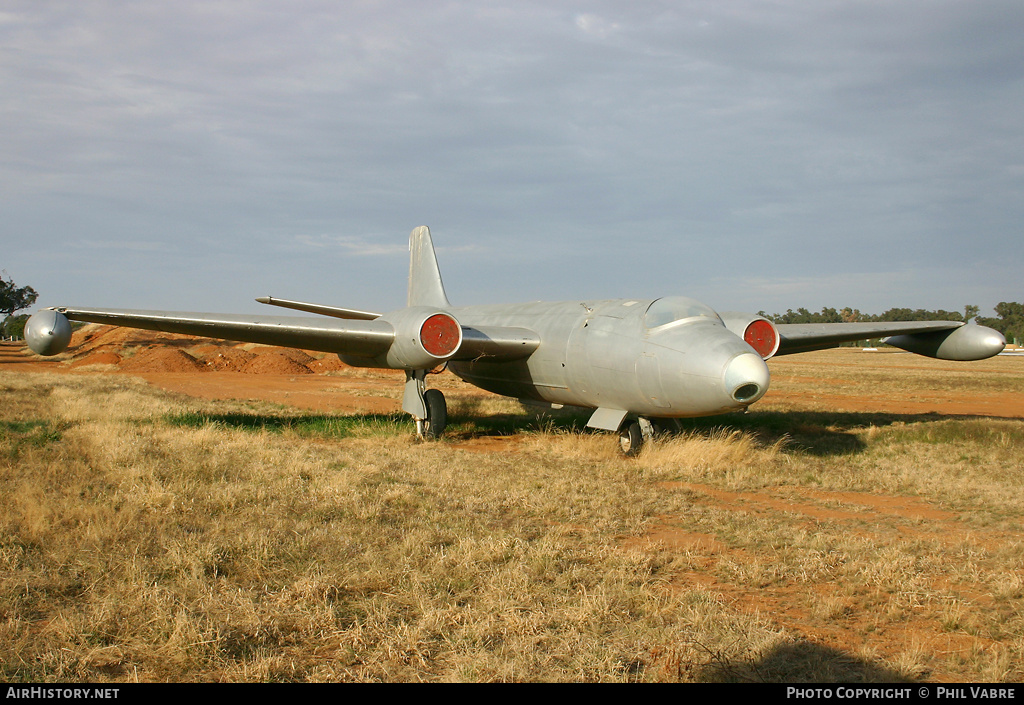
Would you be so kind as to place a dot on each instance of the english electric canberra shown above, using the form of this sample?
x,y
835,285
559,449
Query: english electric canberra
x,y
634,362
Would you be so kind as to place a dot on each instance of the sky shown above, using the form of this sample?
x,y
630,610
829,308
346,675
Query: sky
x,y
755,155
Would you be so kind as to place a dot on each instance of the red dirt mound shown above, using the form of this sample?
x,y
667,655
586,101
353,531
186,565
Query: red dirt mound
x,y
300,356
95,344
275,363
99,357
328,363
92,336
163,360
228,359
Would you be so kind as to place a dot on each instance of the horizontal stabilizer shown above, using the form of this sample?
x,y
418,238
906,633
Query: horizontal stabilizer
x,y
321,309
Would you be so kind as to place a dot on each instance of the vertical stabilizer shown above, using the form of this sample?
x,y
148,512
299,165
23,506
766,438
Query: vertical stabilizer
x,y
425,287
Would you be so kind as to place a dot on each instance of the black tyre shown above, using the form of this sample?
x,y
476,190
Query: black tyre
x,y
437,413
631,439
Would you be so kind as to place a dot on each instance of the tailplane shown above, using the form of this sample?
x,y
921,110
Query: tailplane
x,y
425,286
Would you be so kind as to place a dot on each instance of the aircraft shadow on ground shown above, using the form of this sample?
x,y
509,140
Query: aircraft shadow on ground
x,y
798,662
816,433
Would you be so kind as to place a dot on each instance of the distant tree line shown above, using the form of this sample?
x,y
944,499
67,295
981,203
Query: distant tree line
x,y
1009,318
1009,321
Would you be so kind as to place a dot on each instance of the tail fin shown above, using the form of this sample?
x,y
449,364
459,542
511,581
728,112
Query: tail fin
x,y
425,286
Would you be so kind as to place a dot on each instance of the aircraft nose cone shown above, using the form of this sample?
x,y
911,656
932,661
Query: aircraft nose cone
x,y
746,378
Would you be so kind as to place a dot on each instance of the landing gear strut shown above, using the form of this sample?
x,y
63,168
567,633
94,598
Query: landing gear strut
x,y
427,406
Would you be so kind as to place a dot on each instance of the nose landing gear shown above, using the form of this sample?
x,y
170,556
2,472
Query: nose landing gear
x,y
633,435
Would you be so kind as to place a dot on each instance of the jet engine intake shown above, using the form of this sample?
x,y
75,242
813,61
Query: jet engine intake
x,y
424,338
757,332
48,332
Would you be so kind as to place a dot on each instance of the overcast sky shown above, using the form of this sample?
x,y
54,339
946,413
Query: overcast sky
x,y
192,155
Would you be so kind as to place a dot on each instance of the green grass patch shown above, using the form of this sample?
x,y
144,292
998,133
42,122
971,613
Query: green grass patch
x,y
461,425
16,436
306,425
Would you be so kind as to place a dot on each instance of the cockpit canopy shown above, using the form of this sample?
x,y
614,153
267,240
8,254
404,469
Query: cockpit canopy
x,y
673,309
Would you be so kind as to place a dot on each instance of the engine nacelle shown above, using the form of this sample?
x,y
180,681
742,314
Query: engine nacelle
x,y
48,332
424,338
968,342
757,331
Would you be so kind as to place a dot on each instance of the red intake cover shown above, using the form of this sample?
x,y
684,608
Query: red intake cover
x,y
761,336
440,335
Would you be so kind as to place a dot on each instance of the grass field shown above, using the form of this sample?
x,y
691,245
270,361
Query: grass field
x,y
151,536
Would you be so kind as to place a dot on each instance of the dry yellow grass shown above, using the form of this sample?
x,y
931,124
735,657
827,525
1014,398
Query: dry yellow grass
x,y
136,547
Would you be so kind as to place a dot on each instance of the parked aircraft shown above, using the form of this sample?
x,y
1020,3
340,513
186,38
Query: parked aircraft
x,y
635,362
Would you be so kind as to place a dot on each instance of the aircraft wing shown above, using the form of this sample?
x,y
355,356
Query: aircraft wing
x,y
361,338
329,333
946,340
801,337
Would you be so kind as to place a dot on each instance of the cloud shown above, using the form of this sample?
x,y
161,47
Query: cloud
x,y
657,142
595,25
350,245
123,245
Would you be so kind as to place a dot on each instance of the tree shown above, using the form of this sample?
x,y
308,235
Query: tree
x,y
1010,322
13,297
850,315
14,326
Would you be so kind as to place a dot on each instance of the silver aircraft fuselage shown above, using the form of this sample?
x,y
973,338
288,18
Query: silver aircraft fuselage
x,y
670,357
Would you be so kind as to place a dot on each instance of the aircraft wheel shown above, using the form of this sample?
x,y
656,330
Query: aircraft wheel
x,y
631,439
437,413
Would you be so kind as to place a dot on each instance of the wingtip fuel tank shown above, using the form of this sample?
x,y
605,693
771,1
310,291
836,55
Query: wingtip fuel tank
x,y
48,332
966,343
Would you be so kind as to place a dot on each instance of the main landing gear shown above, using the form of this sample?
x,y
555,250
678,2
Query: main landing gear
x,y
427,406
634,433
437,414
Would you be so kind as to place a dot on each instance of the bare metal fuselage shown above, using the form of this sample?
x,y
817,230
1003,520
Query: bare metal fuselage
x,y
601,354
